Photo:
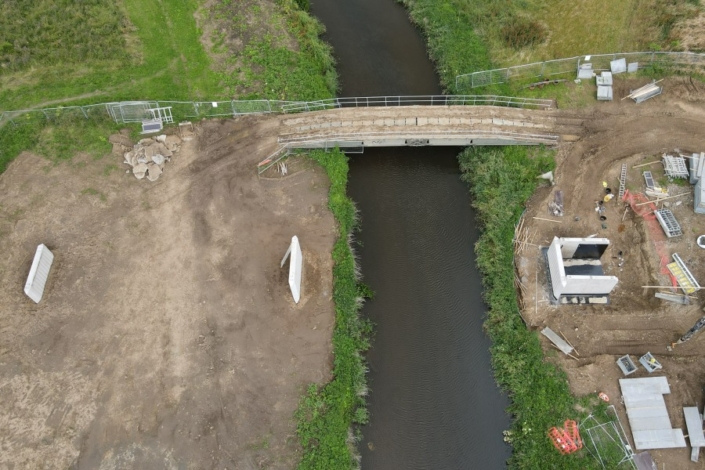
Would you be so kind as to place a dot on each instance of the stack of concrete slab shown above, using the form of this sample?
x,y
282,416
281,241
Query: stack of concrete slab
x,y
699,197
604,86
696,164
648,415
697,168
604,79
694,424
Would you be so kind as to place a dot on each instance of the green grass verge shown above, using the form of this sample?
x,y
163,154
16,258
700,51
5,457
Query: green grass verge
x,y
56,139
37,33
326,415
501,180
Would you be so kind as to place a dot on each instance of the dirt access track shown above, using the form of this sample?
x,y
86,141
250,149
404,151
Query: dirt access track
x,y
167,336
635,322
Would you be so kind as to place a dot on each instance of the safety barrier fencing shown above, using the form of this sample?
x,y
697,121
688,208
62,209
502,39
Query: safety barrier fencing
x,y
137,111
419,100
570,65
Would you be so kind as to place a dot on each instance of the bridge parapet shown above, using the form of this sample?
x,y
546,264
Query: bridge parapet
x,y
418,100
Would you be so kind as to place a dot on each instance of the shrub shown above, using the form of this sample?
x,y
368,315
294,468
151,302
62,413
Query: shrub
x,y
520,32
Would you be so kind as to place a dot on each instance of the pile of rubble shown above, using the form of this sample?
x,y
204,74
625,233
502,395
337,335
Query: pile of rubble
x,y
149,156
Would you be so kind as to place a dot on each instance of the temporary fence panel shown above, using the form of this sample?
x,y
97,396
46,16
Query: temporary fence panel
x,y
631,61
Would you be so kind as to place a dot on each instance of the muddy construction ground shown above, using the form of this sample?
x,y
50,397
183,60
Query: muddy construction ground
x,y
167,336
635,322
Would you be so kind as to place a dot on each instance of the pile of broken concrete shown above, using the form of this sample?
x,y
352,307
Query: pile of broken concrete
x,y
149,156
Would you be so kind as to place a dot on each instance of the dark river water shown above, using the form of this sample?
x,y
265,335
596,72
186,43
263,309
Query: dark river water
x,y
433,400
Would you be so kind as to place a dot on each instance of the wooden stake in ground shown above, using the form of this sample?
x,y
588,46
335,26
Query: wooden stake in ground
x,y
646,164
569,355
549,220
536,293
659,199
569,343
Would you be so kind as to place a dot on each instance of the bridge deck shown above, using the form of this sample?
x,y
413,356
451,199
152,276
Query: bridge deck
x,y
425,125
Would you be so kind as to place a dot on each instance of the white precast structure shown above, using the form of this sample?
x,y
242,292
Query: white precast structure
x,y
566,284
295,267
39,273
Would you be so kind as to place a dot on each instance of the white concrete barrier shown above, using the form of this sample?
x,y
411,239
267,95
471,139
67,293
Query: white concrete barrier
x,y
295,266
39,273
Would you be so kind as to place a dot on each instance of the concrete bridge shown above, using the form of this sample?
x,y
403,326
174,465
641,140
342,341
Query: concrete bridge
x,y
397,126
426,125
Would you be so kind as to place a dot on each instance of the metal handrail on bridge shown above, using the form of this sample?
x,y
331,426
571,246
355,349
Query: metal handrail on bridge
x,y
419,100
287,141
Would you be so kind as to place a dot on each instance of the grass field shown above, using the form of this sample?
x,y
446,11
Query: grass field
x,y
161,57
110,50
471,35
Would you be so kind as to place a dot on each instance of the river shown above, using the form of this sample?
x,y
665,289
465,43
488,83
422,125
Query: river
x,y
433,400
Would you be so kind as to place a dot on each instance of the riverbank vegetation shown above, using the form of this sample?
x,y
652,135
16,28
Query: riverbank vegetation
x,y
327,414
466,36
501,180
267,49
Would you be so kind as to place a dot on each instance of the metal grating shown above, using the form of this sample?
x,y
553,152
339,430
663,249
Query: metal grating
x,y
675,167
626,364
649,179
650,363
622,181
668,222
151,125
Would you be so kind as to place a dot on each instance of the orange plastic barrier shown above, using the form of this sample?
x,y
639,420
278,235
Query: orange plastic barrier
x,y
562,441
571,428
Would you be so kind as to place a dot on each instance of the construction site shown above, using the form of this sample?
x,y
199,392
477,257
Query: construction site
x,y
609,265
165,326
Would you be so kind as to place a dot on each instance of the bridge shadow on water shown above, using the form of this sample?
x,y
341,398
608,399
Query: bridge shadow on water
x,y
433,400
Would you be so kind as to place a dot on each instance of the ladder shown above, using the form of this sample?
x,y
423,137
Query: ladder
x,y
622,181
683,275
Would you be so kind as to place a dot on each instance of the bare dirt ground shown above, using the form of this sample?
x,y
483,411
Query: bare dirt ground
x,y
167,336
635,322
